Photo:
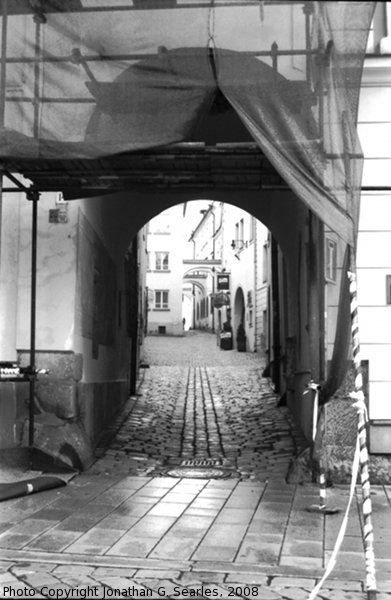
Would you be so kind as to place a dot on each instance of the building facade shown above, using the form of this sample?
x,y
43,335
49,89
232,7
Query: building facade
x,y
235,238
164,274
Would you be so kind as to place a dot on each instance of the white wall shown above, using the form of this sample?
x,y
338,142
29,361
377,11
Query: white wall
x,y
166,234
374,241
56,267
246,266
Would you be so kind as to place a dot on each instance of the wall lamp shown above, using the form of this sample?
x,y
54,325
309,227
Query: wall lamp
x,y
237,244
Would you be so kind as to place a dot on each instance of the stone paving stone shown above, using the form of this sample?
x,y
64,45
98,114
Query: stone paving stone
x,y
167,509
215,552
341,595
210,492
251,578
131,509
114,496
201,512
131,483
297,561
112,572
349,560
209,503
221,535
180,497
130,545
50,514
40,579
294,594
116,522
300,582
61,571
201,576
54,541
157,574
192,526
152,526
33,567
305,549
173,545
255,551
96,541
15,541
337,584
234,515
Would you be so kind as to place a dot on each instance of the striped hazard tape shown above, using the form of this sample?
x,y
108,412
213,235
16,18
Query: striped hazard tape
x,y
360,464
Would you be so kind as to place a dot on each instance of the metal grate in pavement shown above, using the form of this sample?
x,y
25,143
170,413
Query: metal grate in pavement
x,y
204,468
201,462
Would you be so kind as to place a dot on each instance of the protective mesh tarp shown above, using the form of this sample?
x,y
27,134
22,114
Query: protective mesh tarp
x,y
91,78
96,77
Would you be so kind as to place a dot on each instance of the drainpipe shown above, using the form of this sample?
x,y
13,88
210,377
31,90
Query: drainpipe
x,y
3,81
255,299
135,320
275,304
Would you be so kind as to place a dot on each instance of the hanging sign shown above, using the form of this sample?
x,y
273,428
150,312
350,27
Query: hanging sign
x,y
220,299
222,281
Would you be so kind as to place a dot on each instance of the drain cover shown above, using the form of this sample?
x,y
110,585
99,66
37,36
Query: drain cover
x,y
201,462
199,472
201,468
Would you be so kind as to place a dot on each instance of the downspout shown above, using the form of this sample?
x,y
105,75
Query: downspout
x,y
255,301
275,305
3,81
134,326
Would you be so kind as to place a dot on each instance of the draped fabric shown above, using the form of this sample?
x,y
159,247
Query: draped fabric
x,y
92,78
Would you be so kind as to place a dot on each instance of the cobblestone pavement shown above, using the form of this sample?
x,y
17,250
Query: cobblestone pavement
x,y
125,528
199,402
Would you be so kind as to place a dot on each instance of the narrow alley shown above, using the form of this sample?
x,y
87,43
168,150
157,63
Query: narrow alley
x,y
188,498
199,403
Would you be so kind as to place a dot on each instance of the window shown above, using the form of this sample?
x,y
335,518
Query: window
x,y
161,298
331,260
161,261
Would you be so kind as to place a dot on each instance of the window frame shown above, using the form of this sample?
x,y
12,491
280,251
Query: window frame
x,y
161,304
159,260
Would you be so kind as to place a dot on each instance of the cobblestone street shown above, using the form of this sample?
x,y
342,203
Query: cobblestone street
x,y
199,402
139,523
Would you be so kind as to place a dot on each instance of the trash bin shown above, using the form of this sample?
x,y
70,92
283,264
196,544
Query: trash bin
x,y
226,340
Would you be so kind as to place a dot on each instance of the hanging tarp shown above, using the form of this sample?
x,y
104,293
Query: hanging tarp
x,y
91,78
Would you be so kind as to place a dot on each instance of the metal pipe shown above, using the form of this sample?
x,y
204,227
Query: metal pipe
x,y
46,57
3,70
33,197
37,77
